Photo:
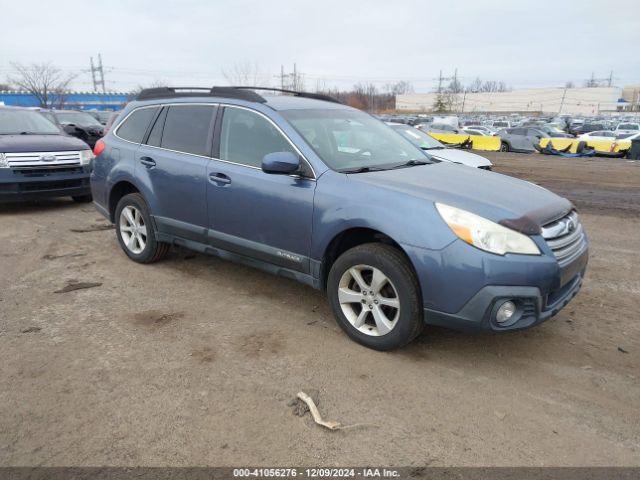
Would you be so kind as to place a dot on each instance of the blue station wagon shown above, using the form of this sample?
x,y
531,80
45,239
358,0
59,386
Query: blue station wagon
x,y
302,186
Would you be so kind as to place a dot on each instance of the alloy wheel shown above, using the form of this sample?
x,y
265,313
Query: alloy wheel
x,y
133,229
369,300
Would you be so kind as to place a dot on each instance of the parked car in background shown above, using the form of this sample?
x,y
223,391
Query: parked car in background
x,y
481,128
498,124
328,195
439,151
553,132
628,127
443,128
586,128
519,139
80,125
598,135
38,160
473,131
101,115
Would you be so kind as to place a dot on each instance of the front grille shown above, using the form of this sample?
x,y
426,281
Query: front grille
x,y
43,159
565,238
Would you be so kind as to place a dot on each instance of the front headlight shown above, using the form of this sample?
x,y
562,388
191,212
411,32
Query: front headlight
x,y
485,234
85,157
3,161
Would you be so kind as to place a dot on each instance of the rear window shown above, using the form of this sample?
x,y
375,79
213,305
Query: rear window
x,y
188,128
136,124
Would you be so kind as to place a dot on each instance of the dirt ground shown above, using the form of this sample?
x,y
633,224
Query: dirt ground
x,y
193,361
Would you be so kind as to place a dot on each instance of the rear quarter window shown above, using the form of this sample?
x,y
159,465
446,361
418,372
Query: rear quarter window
x,y
189,129
135,125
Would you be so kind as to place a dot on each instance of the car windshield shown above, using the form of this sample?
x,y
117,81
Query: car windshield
x,y
417,137
349,139
14,122
77,118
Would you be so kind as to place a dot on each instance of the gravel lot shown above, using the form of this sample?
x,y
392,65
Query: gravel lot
x,y
193,361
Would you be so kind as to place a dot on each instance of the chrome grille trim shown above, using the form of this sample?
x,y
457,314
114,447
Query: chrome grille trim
x,y
565,237
43,159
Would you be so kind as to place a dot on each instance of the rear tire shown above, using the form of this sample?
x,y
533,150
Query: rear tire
x,y
392,315
135,232
504,147
82,198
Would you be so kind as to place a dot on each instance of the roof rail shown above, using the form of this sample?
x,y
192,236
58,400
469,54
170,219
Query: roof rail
x,y
316,96
175,92
238,92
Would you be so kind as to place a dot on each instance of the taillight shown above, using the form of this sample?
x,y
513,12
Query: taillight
x,y
99,147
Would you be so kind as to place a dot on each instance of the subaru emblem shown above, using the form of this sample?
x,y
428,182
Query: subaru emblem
x,y
47,158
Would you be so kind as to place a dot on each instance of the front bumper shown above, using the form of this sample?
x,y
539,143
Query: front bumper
x,y
17,186
532,307
462,287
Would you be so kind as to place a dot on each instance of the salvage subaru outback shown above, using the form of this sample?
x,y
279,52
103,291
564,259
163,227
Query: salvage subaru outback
x,y
302,186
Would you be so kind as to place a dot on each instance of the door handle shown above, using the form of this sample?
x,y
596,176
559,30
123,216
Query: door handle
x,y
148,162
219,178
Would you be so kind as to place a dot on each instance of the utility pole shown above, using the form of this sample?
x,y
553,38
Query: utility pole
x,y
440,83
282,77
610,77
97,75
564,93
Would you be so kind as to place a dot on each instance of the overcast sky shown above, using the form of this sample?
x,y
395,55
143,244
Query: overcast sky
x,y
341,42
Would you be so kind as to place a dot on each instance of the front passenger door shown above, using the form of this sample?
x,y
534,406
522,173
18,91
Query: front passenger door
x,y
253,213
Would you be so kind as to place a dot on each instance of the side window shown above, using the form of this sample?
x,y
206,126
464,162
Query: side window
x,y
135,126
155,136
246,137
188,128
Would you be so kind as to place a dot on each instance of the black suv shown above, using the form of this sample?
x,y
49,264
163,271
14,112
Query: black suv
x,y
79,124
37,159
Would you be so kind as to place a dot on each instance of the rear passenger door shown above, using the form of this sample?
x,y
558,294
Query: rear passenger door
x,y
253,213
172,163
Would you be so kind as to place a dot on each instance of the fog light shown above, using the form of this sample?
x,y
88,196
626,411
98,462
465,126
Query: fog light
x,y
505,312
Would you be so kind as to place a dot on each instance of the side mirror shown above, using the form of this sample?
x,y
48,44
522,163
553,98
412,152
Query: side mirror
x,y
280,163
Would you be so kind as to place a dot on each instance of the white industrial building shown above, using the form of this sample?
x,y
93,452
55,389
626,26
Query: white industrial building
x,y
575,101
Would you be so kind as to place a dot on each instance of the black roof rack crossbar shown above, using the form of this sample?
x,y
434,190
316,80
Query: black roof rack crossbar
x,y
239,92
175,92
316,96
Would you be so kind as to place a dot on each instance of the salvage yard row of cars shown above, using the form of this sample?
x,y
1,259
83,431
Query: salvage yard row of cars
x,y
396,234
523,134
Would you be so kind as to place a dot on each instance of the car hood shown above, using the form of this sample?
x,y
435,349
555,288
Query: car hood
x,y
459,156
39,143
517,204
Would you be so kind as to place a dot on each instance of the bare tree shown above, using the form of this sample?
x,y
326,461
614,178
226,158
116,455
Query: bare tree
x,y
4,87
244,74
44,81
569,84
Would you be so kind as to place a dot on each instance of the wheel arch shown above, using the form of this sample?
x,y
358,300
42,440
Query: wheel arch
x,y
119,190
350,238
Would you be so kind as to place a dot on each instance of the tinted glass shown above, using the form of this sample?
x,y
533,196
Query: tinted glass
x,y
247,137
135,126
188,128
155,136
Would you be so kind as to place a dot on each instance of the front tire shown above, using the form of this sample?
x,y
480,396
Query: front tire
x,y
504,147
135,231
375,296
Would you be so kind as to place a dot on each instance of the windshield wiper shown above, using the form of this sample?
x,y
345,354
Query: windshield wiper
x,y
412,163
432,148
363,170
